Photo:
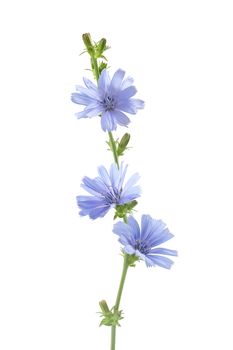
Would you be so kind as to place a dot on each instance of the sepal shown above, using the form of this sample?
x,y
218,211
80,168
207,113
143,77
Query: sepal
x,y
132,259
122,210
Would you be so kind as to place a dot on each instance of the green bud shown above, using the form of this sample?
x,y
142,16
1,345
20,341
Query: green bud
x,y
102,66
123,144
101,47
88,43
104,307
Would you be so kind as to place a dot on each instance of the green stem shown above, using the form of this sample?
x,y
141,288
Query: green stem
x,y
113,148
118,299
95,67
113,337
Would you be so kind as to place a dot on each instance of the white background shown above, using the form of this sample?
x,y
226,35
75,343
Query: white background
x,y
56,266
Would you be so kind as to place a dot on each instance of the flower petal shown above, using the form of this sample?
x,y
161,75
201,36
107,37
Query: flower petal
x,y
104,81
114,175
117,80
128,249
135,229
88,92
80,99
123,231
127,93
131,182
127,82
104,175
98,212
130,194
136,103
120,118
107,122
161,261
160,238
94,184
89,84
164,251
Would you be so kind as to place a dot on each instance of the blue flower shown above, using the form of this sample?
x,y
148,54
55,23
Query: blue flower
x,y
109,99
142,242
107,191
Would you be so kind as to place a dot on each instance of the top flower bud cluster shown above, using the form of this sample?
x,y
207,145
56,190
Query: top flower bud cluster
x,y
110,98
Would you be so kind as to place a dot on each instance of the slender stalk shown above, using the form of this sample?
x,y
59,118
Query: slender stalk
x,y
95,67
113,337
118,299
113,148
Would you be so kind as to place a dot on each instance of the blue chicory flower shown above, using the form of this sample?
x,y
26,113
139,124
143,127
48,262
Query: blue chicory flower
x,y
142,242
107,191
110,99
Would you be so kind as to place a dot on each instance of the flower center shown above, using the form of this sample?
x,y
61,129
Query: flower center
x,y
109,103
142,247
112,196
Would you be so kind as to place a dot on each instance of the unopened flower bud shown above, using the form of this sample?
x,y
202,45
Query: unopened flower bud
x,y
104,307
123,144
88,43
101,47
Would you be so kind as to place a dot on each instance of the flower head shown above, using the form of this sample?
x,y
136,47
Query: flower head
x,y
142,243
110,99
107,191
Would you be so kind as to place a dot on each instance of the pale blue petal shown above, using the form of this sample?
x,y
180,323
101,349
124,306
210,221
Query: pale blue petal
x,y
130,194
80,99
135,229
107,122
92,110
140,255
89,84
94,184
80,115
122,174
146,226
127,82
127,93
131,182
128,249
98,212
138,104
163,237
120,118
121,228
93,94
117,80
164,251
161,261
104,175
89,202
114,175
127,107
123,231
104,81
